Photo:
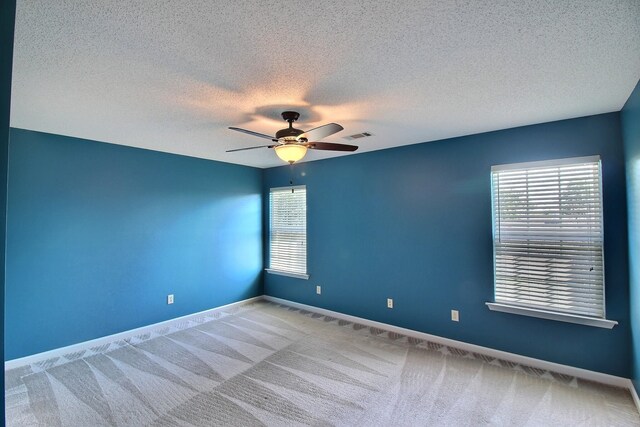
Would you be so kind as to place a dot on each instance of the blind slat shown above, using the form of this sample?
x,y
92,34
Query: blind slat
x,y
288,229
548,237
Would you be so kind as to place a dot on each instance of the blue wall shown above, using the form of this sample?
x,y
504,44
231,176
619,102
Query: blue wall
x,y
414,224
631,134
7,23
100,234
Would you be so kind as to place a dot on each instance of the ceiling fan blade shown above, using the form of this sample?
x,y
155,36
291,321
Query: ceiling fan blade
x,y
331,146
321,132
250,132
249,148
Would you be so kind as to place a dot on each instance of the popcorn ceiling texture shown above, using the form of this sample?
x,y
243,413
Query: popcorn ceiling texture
x,y
172,75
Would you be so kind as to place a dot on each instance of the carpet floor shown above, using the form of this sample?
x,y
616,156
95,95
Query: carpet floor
x,y
267,364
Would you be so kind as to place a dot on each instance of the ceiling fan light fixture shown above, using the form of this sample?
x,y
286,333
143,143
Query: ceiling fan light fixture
x,y
292,144
291,153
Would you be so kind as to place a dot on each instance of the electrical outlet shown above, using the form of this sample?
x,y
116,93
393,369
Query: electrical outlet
x,y
170,299
318,290
455,316
389,302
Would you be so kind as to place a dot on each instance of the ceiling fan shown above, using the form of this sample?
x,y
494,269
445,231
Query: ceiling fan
x,y
291,144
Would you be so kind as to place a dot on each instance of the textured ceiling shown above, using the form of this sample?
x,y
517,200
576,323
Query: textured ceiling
x,y
173,75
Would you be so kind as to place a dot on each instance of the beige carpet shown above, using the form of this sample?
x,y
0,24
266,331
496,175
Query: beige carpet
x,y
266,364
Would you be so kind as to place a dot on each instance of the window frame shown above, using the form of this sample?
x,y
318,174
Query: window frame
x,y
542,312
269,269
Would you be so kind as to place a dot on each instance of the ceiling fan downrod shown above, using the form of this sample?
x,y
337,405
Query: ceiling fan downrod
x,y
290,132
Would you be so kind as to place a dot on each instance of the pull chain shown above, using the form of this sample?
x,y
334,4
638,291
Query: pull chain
x,y
291,176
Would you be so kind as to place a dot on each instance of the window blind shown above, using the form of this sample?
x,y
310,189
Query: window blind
x,y
548,236
288,229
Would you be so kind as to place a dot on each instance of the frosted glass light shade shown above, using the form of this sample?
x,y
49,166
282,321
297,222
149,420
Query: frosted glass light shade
x,y
291,153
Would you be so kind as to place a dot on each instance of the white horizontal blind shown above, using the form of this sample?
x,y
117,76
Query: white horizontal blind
x,y
548,236
288,229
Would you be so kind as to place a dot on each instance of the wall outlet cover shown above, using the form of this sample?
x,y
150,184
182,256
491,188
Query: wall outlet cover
x,y
318,290
455,316
389,302
170,299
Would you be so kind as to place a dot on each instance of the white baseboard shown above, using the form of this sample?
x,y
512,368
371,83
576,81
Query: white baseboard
x,y
510,357
57,352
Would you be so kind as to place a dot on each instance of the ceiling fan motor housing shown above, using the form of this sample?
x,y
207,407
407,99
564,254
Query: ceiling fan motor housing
x,y
289,116
288,132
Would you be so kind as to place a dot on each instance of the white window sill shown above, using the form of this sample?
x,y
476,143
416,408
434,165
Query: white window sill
x,y
288,274
551,315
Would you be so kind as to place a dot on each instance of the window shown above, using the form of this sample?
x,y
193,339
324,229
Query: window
x,y
547,240
288,231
